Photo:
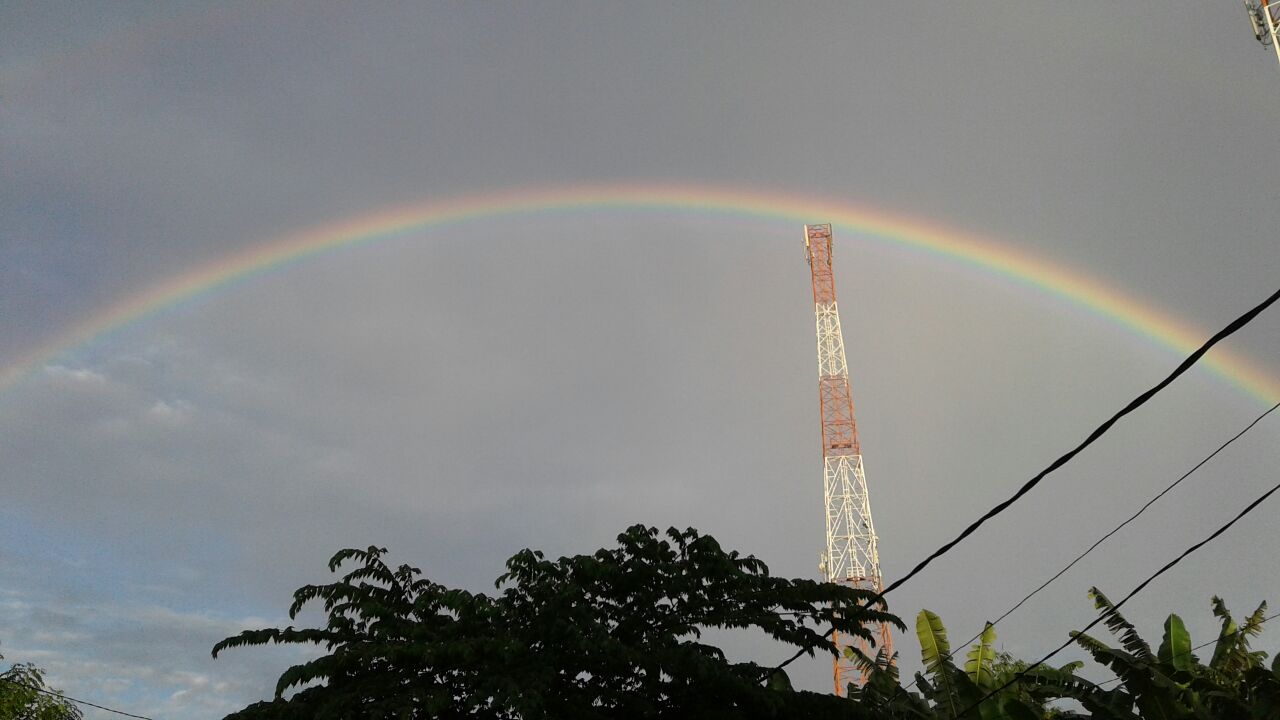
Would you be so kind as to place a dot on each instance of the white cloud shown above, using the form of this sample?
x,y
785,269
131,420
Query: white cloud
x,y
170,413
79,375
144,657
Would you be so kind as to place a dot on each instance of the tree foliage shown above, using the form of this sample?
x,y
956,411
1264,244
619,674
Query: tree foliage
x,y
25,696
990,685
614,634
619,634
1169,683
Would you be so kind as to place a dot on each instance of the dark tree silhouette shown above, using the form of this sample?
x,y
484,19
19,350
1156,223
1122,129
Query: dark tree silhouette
x,y
614,634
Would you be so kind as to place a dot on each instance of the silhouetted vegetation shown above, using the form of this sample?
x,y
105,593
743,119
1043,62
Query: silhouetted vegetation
x,y
618,634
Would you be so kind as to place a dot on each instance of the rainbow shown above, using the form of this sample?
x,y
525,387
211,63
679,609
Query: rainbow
x,y
981,254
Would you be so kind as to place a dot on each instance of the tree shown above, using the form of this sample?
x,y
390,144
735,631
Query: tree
x,y
24,696
618,634
614,634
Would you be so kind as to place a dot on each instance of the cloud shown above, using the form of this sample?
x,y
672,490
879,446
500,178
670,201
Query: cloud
x,y
544,381
142,657
171,414
76,375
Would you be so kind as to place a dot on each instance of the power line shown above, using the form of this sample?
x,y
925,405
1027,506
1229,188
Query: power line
x,y
1117,528
1101,430
1130,519
1137,402
61,696
1114,609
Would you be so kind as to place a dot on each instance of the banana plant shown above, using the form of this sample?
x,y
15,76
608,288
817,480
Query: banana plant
x,y
882,693
1231,654
990,685
1168,683
1171,683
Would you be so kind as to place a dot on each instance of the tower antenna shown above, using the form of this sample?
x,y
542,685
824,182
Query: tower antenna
x,y
1264,15
851,557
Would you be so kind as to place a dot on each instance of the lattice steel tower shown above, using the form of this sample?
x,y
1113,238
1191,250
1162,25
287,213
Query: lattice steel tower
x,y
1265,16
851,556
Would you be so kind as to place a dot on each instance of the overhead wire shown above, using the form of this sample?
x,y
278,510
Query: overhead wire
x,y
1230,329
1115,608
1101,430
1130,519
61,696
1114,530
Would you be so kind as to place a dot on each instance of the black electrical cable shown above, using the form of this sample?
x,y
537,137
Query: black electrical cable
x,y
1116,607
1117,528
1130,519
60,696
1137,402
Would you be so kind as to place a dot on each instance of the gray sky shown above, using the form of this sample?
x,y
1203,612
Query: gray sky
x,y
545,381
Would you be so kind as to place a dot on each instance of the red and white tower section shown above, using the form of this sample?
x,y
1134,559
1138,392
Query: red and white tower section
x,y
851,556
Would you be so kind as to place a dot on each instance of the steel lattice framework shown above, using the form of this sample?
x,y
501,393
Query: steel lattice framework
x,y
851,556
1265,16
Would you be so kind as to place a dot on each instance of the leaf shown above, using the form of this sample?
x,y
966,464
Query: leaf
x,y
1114,704
1231,655
1228,637
1175,649
935,652
1120,627
1253,624
882,677
1150,691
934,648
1016,709
978,664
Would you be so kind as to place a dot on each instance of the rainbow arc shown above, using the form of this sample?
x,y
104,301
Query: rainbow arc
x,y
851,220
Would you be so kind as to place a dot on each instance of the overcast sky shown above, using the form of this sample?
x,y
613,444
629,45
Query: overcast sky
x,y
545,381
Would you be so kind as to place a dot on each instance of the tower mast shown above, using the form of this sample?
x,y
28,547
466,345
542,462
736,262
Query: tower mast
x,y
1265,16
851,557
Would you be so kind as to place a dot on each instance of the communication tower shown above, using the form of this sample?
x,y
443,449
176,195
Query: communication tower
x,y
1265,17
851,557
